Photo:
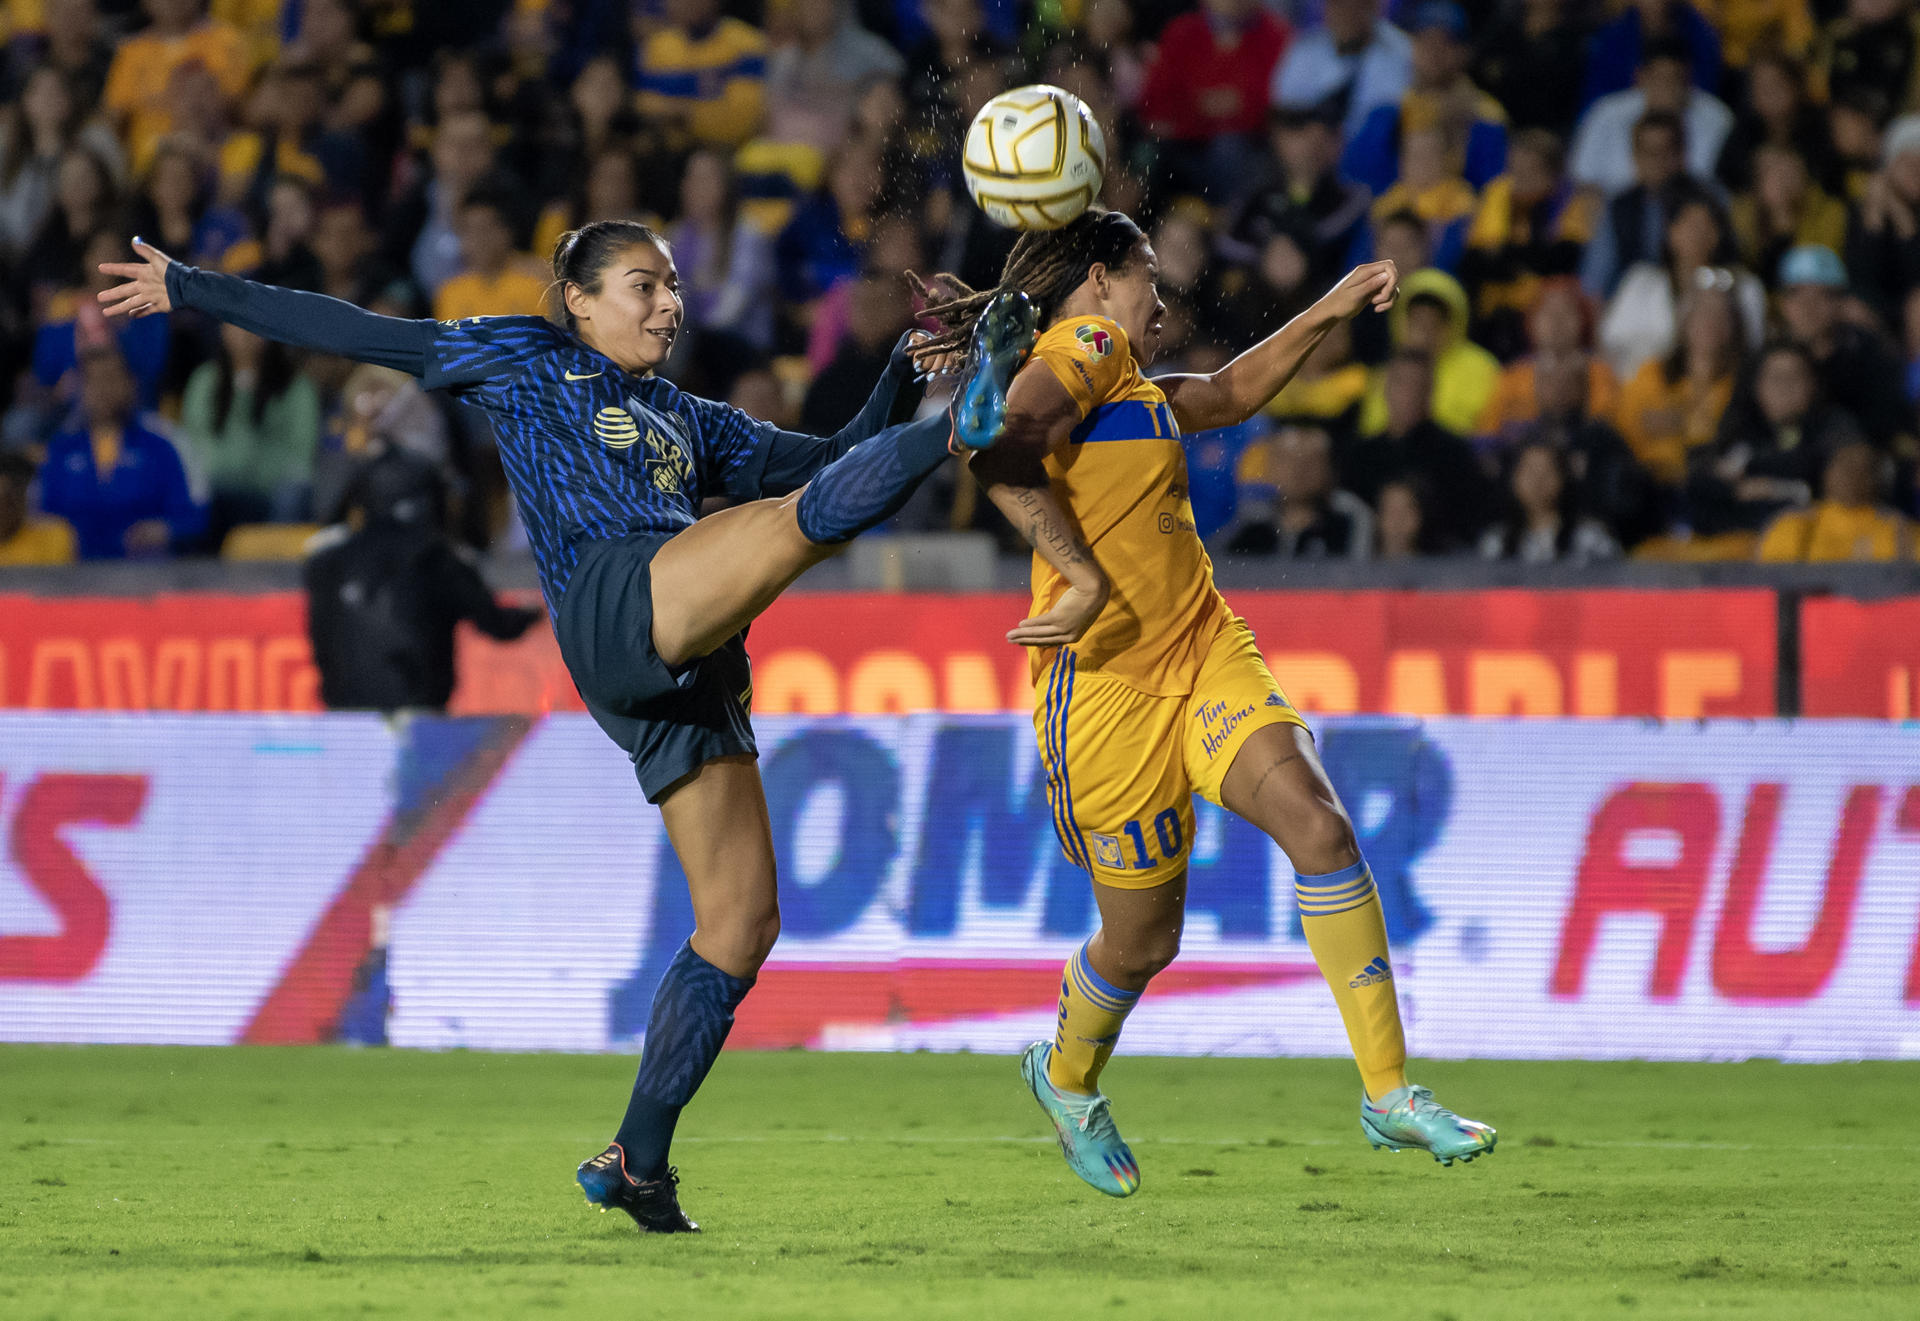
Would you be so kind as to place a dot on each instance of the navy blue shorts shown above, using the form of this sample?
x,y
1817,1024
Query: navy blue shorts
x,y
668,719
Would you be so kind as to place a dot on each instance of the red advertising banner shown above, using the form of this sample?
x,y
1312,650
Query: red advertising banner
x,y
1860,658
1677,654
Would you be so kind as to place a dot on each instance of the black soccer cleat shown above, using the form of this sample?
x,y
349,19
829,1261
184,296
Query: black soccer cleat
x,y
654,1204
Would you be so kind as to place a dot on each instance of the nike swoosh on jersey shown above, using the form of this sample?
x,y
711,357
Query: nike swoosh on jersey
x,y
588,377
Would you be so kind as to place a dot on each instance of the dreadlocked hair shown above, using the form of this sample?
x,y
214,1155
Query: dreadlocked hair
x,y
1047,265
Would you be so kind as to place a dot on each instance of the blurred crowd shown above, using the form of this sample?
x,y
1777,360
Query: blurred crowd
x,y
1661,258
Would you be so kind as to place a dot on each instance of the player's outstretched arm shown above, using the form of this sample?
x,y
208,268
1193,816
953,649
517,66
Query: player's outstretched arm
x,y
158,283
1040,417
1242,388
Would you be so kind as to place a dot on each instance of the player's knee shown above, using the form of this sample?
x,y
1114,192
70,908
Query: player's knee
x,y
1320,839
742,938
1146,956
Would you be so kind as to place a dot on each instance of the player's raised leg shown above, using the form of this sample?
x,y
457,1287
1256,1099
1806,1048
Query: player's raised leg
x,y
1276,782
717,822
1139,935
716,577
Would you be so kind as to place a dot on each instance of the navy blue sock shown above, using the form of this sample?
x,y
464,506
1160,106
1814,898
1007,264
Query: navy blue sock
x,y
692,1014
871,482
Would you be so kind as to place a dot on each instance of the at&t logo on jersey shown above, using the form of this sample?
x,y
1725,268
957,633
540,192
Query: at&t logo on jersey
x,y
616,428
1094,342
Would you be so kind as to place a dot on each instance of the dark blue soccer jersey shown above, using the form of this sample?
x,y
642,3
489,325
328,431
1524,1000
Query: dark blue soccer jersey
x,y
592,452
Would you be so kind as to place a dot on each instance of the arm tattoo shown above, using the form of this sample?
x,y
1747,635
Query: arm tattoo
x,y
1039,526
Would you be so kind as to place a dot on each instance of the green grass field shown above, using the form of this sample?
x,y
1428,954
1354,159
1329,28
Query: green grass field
x,y
246,1183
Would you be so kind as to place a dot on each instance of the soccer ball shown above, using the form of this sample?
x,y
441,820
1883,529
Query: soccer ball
x,y
1034,157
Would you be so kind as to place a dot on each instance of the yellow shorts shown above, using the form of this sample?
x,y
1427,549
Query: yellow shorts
x,y
1123,765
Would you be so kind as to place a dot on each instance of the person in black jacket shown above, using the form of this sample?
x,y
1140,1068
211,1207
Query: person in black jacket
x,y
383,601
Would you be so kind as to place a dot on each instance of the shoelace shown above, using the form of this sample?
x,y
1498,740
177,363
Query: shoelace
x,y
1096,1118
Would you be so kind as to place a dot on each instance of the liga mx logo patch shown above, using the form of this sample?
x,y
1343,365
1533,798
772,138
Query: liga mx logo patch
x,y
1094,342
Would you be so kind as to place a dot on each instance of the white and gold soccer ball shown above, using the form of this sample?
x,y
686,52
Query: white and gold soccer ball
x,y
1034,157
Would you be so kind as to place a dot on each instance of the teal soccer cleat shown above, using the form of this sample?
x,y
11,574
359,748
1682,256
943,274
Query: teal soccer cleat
x,y
1002,337
1410,1117
1084,1124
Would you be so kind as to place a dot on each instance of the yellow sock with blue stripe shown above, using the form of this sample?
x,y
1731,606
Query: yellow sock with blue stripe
x,y
1345,929
1092,1010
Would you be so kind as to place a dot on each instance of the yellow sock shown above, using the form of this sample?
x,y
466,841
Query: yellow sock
x,y
1091,1012
1340,914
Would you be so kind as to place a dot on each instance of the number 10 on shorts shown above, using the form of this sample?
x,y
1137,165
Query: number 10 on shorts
x,y
1132,847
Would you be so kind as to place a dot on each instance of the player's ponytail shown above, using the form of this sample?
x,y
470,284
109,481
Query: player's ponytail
x,y
1047,265
582,256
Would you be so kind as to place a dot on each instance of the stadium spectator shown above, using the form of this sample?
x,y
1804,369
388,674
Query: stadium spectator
x,y
1853,364
49,122
24,538
250,425
1430,187
178,33
1641,320
1413,446
1774,109
1430,321
85,202
494,280
1872,48
1619,48
1774,442
1301,197
1850,522
374,412
1673,405
383,601
1785,208
826,240
173,206
1533,61
1561,324
1753,28
1248,305
70,315
1910,327
1206,90
1329,385
346,252
956,41
1400,524
1543,523
879,313
1634,224
1607,483
118,483
1440,95
1530,226
1351,65
726,263
608,188
70,42
1288,504
816,76
1602,155
422,226
704,73
1883,247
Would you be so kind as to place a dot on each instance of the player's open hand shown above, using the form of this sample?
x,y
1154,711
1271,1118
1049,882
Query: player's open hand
x,y
1374,285
145,290
1072,615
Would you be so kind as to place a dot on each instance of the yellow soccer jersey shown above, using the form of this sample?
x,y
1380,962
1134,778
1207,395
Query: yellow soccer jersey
x,y
1123,482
